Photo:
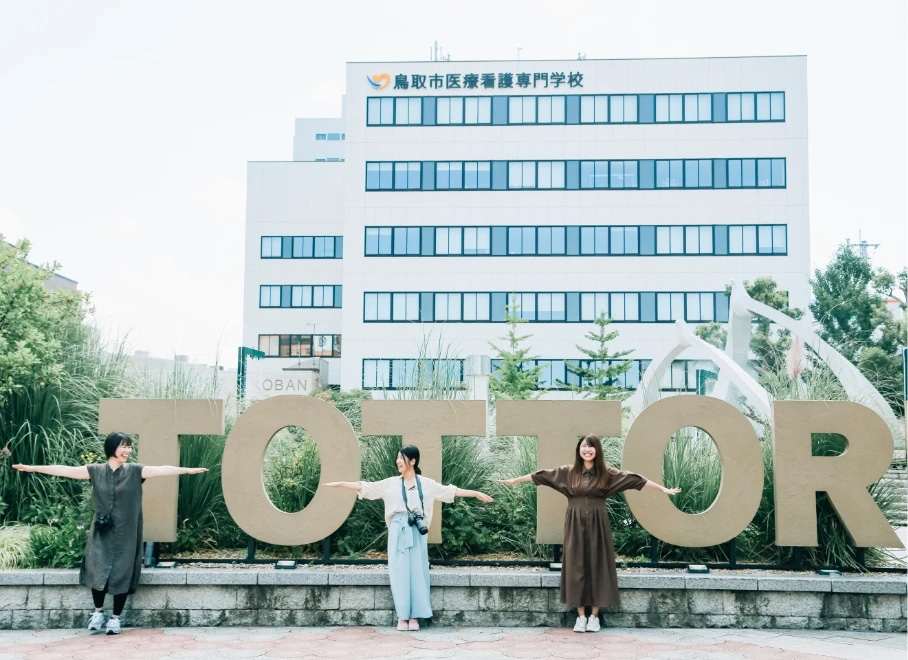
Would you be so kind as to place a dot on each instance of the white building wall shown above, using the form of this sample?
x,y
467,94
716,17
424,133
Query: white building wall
x,y
308,143
568,142
318,199
290,199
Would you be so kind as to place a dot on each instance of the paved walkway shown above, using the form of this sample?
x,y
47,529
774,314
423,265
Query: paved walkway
x,y
466,643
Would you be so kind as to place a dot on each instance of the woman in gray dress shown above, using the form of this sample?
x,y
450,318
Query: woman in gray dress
x,y
113,553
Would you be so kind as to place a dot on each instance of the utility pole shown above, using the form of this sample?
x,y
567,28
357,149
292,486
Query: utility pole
x,y
863,248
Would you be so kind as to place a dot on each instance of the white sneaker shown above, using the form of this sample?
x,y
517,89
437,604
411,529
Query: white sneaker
x,y
592,625
113,625
580,626
96,621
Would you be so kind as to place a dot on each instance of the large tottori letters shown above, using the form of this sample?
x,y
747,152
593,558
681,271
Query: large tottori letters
x,y
557,425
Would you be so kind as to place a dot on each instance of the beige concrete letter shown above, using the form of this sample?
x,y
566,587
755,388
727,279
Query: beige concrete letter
x,y
244,458
422,424
742,470
158,423
799,475
557,425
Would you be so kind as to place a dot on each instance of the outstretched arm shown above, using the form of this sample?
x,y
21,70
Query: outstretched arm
x,y
662,489
70,472
460,492
150,471
516,480
352,485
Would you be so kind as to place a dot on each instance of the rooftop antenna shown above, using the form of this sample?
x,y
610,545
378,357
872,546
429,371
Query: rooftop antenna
x,y
437,54
519,48
862,247
581,56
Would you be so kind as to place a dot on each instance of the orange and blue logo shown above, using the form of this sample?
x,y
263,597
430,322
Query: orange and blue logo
x,y
379,80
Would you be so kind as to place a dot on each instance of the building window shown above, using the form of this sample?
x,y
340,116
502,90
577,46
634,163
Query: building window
x,y
300,345
302,247
299,295
642,240
320,136
576,109
403,373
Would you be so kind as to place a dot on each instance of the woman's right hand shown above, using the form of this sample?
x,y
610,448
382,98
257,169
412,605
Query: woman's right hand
x,y
23,468
508,482
332,484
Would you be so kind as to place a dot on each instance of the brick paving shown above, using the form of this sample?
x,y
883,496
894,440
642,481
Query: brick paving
x,y
466,643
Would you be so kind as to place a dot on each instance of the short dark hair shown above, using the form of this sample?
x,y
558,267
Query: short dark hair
x,y
114,441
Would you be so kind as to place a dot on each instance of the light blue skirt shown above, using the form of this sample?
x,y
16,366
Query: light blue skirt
x,y
408,566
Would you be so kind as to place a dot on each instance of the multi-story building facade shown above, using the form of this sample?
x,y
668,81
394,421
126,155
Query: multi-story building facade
x,y
634,188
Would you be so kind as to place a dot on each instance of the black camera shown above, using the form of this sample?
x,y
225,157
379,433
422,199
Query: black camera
x,y
417,520
103,523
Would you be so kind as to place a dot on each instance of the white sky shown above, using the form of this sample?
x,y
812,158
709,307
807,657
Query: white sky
x,y
125,128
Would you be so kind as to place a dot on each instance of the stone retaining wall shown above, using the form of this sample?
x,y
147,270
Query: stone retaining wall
x,y
346,597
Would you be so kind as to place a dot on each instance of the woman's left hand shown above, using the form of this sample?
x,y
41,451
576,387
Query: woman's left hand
x,y
671,491
196,470
482,497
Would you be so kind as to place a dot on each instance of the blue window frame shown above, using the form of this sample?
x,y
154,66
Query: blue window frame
x,y
682,107
543,307
299,295
302,247
613,240
402,373
557,374
300,345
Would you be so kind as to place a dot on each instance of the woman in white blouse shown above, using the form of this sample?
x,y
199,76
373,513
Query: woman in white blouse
x,y
408,521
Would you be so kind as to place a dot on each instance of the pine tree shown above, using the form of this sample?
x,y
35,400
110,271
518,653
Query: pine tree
x,y
598,376
514,378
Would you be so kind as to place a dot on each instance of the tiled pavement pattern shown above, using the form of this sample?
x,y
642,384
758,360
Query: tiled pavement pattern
x,y
466,643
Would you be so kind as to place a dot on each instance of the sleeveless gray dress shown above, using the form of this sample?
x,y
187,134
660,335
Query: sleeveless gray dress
x,y
113,558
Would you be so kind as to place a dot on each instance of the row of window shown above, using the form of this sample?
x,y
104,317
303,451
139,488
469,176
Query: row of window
x,y
397,374
554,374
330,136
300,345
542,307
576,109
299,295
573,240
329,160
576,174
302,247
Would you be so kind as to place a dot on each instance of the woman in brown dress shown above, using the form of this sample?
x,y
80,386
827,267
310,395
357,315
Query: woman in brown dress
x,y
113,553
588,576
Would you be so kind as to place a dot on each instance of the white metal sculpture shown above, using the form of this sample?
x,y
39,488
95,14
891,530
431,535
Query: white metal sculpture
x,y
735,372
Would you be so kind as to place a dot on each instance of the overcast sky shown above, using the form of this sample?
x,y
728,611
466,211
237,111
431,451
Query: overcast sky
x,y
125,128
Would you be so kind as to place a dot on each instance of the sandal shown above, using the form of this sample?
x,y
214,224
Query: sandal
x,y
413,625
402,625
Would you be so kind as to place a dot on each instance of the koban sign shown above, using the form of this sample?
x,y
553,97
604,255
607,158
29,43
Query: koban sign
x,y
797,473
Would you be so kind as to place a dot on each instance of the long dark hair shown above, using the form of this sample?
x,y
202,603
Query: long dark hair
x,y
114,441
600,479
410,452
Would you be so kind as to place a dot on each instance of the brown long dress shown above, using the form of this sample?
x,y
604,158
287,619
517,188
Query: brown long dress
x,y
588,576
113,558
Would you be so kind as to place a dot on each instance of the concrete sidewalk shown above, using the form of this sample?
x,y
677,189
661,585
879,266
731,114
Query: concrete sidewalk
x,y
466,643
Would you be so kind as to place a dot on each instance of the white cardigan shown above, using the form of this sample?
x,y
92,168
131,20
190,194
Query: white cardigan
x,y
389,491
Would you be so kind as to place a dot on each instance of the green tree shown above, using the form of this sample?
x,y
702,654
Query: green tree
x,y
34,321
598,375
850,306
514,378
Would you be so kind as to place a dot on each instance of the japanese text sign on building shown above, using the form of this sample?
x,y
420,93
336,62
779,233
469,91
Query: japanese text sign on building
x,y
535,80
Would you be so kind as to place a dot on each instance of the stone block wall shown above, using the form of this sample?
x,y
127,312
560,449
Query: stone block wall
x,y
350,597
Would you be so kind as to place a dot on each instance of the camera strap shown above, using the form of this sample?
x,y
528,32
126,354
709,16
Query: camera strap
x,y
403,493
